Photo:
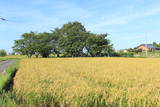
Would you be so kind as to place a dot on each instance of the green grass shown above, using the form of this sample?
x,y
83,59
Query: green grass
x,y
7,98
12,57
6,78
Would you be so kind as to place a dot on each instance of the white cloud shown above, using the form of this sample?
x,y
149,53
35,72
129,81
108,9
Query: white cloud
x,y
124,18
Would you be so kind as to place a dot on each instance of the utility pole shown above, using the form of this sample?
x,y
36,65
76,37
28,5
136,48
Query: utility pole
x,y
146,44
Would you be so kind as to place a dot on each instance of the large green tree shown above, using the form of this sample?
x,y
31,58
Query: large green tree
x,y
34,44
26,45
72,38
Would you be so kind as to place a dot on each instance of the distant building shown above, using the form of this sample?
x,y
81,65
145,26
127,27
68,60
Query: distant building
x,y
125,50
147,47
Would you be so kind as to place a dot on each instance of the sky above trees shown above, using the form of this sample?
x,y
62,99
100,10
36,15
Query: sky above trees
x,y
126,21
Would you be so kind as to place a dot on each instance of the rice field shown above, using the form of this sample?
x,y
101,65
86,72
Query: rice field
x,y
89,82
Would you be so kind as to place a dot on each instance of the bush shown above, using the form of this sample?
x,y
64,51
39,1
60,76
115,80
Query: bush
x,y
115,54
3,53
127,54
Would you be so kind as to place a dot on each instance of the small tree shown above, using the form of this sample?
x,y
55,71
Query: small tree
x,y
157,45
3,53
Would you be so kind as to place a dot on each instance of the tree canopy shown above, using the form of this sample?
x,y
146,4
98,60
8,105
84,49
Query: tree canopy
x,y
71,40
157,45
3,53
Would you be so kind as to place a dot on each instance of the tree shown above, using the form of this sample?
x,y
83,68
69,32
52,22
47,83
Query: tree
x,y
26,45
43,44
34,44
56,37
98,45
157,45
72,38
3,53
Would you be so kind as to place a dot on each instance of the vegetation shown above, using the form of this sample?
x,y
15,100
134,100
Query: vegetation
x,y
126,54
157,45
7,77
3,53
89,82
71,40
6,97
153,54
12,57
7,100
78,82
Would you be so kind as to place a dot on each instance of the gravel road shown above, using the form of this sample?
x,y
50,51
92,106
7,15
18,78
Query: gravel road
x,y
5,64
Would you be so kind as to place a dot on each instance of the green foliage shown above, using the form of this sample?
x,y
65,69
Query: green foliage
x,y
157,45
7,99
26,45
70,40
43,44
131,52
34,44
126,54
153,54
6,78
74,39
3,53
98,45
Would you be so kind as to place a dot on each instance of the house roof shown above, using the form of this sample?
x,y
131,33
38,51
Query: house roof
x,y
150,46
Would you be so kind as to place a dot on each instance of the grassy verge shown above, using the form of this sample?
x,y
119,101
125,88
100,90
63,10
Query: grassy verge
x,y
6,78
13,57
7,97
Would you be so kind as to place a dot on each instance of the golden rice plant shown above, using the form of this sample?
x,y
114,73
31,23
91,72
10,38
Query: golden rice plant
x,y
90,82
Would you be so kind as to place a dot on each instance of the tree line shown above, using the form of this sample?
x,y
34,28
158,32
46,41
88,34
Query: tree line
x,y
3,53
71,40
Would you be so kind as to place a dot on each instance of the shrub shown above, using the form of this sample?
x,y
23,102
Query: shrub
x,y
128,54
3,53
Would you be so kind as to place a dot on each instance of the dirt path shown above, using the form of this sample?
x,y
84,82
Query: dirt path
x,y
5,64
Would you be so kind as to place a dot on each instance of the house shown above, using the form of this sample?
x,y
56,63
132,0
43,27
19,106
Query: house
x,y
125,50
146,47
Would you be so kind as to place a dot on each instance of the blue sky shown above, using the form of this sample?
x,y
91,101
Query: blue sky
x,y
127,21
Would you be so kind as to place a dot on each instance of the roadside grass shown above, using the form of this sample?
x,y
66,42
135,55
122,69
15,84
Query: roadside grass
x,y
7,97
6,78
12,57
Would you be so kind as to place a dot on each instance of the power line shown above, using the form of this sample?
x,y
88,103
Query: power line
x,y
3,19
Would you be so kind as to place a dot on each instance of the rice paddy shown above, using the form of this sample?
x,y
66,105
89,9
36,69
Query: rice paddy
x,y
89,82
